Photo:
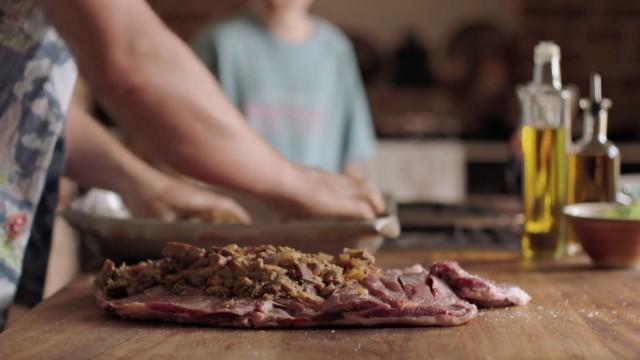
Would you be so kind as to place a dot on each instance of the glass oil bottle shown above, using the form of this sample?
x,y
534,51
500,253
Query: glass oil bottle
x,y
546,112
594,164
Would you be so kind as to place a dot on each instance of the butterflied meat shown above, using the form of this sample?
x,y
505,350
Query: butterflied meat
x,y
477,290
268,286
429,302
158,303
400,298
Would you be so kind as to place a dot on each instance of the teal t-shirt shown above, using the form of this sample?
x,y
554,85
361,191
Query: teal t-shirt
x,y
306,99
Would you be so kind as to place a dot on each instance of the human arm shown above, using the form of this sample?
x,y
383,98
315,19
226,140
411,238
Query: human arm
x,y
96,159
154,86
210,46
204,47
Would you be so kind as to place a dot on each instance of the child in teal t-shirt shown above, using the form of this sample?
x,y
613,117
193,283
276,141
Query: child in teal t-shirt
x,y
295,78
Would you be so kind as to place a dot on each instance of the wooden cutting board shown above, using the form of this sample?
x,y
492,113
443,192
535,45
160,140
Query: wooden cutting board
x,y
576,312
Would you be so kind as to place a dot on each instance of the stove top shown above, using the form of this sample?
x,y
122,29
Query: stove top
x,y
482,221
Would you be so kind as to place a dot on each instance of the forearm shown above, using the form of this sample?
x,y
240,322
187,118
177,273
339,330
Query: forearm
x,y
355,170
96,159
154,86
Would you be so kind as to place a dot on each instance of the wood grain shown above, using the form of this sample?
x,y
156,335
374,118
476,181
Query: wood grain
x,y
576,312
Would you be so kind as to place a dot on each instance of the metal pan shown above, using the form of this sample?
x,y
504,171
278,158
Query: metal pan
x,y
143,238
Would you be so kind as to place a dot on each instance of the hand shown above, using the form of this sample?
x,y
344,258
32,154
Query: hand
x,y
328,195
171,199
96,159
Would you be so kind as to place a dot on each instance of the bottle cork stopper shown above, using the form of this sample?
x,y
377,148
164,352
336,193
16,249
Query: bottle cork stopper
x,y
596,88
545,51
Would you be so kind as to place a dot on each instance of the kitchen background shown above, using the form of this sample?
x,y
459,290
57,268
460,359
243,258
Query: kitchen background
x,y
441,77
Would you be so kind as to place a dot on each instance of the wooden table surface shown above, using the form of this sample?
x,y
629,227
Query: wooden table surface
x,y
576,312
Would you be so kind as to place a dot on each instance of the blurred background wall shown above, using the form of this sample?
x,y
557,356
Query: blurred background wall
x,y
593,34
435,20
446,70
384,20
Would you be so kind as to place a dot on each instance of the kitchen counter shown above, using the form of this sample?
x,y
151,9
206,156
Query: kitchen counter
x,y
576,312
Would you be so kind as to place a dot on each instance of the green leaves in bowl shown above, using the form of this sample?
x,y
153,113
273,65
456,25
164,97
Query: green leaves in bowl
x,y
624,212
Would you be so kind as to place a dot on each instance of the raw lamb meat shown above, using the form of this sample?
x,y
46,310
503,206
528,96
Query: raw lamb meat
x,y
482,292
268,286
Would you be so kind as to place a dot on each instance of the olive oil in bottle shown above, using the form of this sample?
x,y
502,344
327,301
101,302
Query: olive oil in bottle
x,y
546,109
544,190
594,164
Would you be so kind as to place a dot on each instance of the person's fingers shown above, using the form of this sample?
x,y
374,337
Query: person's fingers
x,y
365,210
209,202
144,208
355,176
234,209
353,209
367,192
167,215
156,211
366,200
374,197
339,196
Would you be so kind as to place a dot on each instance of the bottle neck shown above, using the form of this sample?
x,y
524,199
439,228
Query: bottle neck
x,y
548,73
600,125
595,126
